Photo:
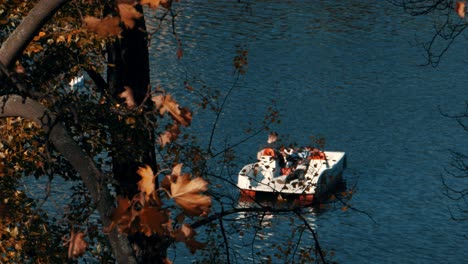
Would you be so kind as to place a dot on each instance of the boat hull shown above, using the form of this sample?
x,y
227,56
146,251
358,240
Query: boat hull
x,y
264,180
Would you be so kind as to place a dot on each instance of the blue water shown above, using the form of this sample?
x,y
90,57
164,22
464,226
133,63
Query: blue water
x,y
348,71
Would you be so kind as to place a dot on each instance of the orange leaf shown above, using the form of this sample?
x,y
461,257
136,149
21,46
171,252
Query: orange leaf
x,y
186,193
129,14
108,26
39,36
460,9
152,220
77,245
146,184
128,96
151,3
165,103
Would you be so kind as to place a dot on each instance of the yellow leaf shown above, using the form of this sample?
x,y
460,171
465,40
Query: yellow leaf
x,y
146,184
128,14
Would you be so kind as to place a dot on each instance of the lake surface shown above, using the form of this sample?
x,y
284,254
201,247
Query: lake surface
x,y
347,71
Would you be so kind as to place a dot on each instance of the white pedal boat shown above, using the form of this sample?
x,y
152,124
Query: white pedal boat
x,y
319,174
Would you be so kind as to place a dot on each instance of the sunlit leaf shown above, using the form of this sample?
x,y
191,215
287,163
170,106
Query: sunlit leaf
x,y
146,184
165,103
186,193
460,9
128,96
129,14
39,36
77,245
151,3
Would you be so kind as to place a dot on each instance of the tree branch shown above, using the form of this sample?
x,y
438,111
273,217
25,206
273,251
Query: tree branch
x,y
25,32
17,106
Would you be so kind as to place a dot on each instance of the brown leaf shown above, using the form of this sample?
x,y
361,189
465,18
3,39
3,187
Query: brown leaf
x,y
165,138
152,220
129,14
194,245
165,103
146,184
108,26
120,214
77,245
128,96
460,9
186,193
186,234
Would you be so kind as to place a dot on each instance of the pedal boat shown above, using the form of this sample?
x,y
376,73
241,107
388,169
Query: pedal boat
x,y
320,174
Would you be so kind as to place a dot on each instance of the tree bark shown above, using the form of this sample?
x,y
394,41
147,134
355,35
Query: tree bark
x,y
134,146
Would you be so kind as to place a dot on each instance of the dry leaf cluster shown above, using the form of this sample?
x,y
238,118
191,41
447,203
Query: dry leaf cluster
x,y
128,14
145,212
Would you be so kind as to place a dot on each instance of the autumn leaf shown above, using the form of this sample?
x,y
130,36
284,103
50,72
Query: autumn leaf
x,y
177,170
460,9
152,220
146,184
151,3
39,36
169,135
186,234
165,103
128,96
77,245
128,14
186,193
108,26
164,138
120,215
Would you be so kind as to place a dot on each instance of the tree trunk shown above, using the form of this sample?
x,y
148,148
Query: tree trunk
x,y
133,147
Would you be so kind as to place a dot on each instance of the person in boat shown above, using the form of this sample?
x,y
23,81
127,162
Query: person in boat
x,y
295,158
271,148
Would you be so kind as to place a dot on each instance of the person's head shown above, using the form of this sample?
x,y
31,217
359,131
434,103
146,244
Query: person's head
x,y
272,137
